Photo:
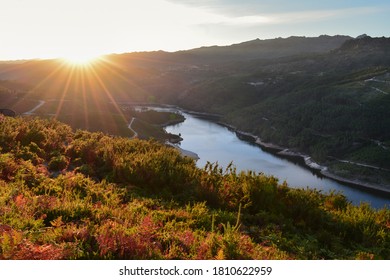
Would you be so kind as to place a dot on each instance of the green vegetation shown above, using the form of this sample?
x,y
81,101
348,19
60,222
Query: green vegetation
x,y
149,124
68,194
158,118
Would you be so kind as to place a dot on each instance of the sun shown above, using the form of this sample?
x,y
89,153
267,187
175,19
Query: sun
x,y
81,60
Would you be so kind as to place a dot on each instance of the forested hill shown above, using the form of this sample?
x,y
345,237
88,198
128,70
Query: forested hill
x,y
327,97
68,194
266,49
334,106
367,44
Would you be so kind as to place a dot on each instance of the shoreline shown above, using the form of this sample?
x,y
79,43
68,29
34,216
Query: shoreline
x,y
302,159
172,142
307,162
184,153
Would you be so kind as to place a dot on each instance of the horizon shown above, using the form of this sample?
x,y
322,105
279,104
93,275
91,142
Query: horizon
x,y
84,29
183,50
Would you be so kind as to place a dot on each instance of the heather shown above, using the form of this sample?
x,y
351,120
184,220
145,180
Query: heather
x,y
67,194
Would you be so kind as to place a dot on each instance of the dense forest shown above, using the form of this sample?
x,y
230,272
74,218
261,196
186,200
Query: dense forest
x,y
74,194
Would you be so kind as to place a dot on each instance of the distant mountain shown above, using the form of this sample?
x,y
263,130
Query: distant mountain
x,y
131,74
367,47
271,48
255,49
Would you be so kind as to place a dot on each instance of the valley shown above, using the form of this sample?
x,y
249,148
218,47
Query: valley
x,y
325,97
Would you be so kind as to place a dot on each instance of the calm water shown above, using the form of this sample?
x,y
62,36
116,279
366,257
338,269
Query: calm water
x,y
215,143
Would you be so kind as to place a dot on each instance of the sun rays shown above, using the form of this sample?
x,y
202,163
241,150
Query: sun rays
x,y
83,93
91,95
79,60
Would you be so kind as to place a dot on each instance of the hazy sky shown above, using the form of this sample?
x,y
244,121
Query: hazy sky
x,y
61,28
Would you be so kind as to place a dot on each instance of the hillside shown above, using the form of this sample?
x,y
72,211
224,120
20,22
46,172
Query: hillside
x,y
68,194
330,106
326,97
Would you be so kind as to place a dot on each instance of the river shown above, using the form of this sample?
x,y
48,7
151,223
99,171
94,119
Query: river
x,y
216,143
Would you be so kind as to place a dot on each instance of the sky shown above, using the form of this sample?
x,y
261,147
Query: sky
x,y
87,28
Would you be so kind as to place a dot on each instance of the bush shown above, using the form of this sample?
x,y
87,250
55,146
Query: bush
x,y
117,198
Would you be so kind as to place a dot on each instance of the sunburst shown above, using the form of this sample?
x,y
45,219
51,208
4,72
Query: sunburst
x,y
83,90
80,60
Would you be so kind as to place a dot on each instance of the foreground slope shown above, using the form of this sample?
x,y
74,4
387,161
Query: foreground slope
x,y
79,195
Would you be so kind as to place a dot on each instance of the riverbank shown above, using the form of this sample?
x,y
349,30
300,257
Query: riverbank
x,y
308,162
185,153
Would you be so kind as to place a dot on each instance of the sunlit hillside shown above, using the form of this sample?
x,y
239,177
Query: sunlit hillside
x,y
68,194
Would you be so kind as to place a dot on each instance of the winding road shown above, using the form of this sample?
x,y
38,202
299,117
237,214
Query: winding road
x,y
41,103
134,132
